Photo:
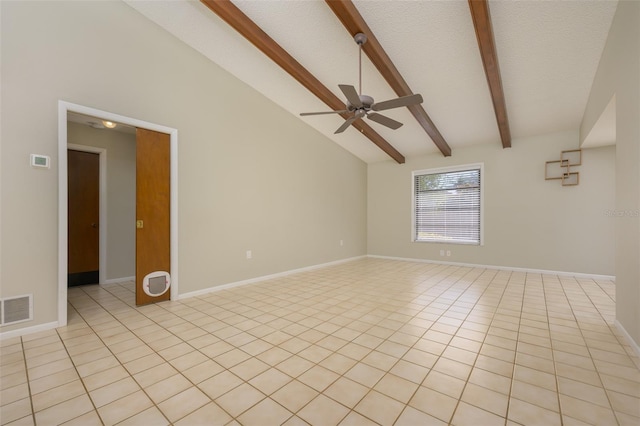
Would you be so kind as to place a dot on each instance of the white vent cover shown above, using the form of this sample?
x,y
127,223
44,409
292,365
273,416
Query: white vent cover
x,y
16,309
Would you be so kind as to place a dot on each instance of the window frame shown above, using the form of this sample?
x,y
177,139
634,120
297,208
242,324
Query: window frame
x,y
449,169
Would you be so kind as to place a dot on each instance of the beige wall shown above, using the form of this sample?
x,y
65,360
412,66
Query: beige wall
x,y
121,194
619,74
528,222
251,175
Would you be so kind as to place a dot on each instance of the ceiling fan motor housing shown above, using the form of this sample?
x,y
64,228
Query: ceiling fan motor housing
x,y
366,101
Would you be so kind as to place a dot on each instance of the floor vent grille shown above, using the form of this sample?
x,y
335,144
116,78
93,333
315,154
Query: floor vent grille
x,y
16,309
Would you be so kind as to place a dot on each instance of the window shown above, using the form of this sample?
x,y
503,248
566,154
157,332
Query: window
x,y
447,205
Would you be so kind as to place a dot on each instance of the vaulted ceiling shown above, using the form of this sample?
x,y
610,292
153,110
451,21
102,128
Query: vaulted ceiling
x,y
489,73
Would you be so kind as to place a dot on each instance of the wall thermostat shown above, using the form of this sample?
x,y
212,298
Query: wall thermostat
x,y
40,161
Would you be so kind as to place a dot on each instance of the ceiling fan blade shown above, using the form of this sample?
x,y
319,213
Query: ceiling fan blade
x,y
346,124
351,95
384,120
325,112
398,102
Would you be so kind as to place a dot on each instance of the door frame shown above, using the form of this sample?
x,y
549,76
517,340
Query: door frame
x,y
102,218
64,108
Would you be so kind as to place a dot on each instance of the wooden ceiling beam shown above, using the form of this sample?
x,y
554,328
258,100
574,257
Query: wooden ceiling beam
x,y
348,14
486,43
233,16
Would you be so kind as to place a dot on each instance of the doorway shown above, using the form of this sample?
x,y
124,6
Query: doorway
x,y
63,109
83,251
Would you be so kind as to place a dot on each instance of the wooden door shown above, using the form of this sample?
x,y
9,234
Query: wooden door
x,y
153,160
83,244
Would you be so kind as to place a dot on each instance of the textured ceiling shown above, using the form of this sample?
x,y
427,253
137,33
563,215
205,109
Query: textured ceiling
x,y
548,53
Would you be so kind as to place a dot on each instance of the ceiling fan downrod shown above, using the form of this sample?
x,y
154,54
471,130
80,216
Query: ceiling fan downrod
x,y
361,39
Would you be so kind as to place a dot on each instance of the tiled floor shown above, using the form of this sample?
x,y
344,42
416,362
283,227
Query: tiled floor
x,y
366,342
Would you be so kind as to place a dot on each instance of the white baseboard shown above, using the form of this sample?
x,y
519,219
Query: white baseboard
x,y
265,278
630,340
500,268
28,330
119,280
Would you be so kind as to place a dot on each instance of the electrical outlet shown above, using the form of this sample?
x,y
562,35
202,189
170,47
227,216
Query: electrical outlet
x,y
341,243
441,252
249,254
448,253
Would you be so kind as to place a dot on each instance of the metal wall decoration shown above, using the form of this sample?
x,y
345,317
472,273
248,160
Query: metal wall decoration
x,y
562,169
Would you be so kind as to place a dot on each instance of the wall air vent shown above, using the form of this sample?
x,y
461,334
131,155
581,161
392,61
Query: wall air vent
x,y
16,309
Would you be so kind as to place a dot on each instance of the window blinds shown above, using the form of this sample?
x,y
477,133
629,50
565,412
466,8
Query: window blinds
x,y
448,207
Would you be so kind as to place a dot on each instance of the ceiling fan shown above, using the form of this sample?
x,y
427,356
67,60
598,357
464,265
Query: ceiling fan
x,y
363,105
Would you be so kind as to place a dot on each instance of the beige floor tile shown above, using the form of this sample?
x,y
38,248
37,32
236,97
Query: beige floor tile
x,y
90,418
104,378
184,362
176,351
490,380
49,368
150,416
266,412
15,379
15,393
47,358
65,411
396,387
57,395
249,369
585,411
15,410
220,384
201,372
294,395
51,381
338,363
434,403
410,371
625,403
583,391
125,407
231,358
239,399
114,391
167,388
315,353
346,391
294,366
364,374
322,410
184,403
364,333
356,419
270,381
256,347
452,368
274,356
209,414
380,360
354,351
379,408
412,417
466,414
618,384
535,377
318,378
488,400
